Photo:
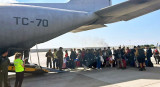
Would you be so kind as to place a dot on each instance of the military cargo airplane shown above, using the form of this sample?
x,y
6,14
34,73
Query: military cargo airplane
x,y
23,25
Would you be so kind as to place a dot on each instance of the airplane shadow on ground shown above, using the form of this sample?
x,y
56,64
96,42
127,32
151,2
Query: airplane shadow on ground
x,y
108,77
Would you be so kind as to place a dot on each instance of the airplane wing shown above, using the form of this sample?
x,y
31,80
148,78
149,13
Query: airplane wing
x,y
127,10
122,12
88,27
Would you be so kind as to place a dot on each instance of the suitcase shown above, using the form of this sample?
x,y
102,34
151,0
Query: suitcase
x,y
146,62
68,64
124,64
78,64
64,66
107,64
94,64
114,63
158,58
150,64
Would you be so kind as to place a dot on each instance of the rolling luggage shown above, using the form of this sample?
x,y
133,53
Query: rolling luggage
x,y
114,63
150,64
64,66
146,62
107,62
68,64
132,63
94,64
78,64
64,63
158,59
124,64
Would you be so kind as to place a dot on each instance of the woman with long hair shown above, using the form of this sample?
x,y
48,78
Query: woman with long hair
x,y
19,69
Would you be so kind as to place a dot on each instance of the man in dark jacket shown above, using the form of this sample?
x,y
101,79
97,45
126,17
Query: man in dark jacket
x,y
141,58
149,55
132,56
4,63
109,52
60,58
73,57
49,56
87,58
115,53
119,57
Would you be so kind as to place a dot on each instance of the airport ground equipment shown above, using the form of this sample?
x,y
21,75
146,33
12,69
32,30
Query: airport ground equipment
x,y
34,68
29,68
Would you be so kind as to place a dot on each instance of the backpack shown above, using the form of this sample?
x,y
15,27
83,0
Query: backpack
x,y
119,54
67,58
141,53
156,51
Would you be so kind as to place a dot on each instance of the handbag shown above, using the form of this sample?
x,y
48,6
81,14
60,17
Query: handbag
x,y
101,58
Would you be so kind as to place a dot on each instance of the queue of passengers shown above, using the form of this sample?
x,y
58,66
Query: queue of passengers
x,y
100,58
91,58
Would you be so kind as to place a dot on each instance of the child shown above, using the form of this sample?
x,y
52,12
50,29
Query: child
x,y
19,69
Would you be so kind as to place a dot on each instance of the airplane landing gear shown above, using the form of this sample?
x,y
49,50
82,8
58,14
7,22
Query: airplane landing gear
x,y
26,55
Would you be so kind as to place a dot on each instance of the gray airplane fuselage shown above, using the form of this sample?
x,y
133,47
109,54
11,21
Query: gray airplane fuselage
x,y
23,26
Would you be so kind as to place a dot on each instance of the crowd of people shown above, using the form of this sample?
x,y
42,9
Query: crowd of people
x,y
100,58
88,58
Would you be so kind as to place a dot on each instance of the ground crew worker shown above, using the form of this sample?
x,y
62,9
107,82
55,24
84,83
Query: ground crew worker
x,y
19,69
49,56
4,63
60,58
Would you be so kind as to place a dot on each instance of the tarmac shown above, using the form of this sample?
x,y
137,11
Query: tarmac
x,y
107,77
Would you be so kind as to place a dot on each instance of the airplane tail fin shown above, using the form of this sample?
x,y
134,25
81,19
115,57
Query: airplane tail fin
x,y
79,5
89,5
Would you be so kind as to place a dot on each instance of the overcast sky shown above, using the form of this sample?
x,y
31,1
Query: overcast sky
x,y
142,30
